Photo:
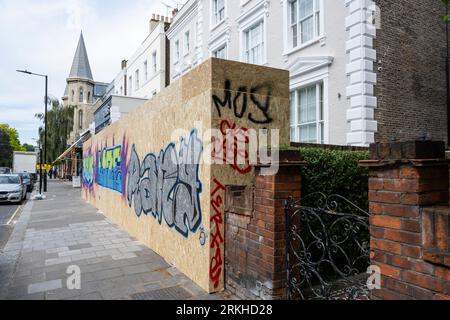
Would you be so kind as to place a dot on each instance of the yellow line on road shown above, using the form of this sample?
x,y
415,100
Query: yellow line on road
x,y
12,217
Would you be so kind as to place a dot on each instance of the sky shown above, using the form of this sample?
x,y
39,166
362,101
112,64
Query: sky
x,y
42,36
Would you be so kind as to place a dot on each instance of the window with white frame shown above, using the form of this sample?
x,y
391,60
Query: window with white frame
x,y
221,53
187,42
254,43
154,63
137,79
307,114
146,70
177,50
304,21
218,10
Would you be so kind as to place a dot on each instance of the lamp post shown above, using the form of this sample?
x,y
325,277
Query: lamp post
x,y
45,120
40,166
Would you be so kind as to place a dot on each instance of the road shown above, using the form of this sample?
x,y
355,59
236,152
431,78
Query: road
x,y
8,212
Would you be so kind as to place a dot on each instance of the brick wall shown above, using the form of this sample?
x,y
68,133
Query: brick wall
x,y
411,85
409,235
255,237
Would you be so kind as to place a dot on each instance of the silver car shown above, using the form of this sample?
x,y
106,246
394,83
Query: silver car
x,y
12,188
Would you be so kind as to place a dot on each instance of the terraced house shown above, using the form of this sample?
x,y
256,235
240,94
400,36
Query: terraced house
x,y
331,68
338,53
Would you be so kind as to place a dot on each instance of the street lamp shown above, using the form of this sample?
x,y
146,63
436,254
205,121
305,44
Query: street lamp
x,y
40,165
45,120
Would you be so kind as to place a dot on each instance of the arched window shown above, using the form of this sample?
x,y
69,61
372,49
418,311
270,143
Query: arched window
x,y
81,95
73,96
89,97
80,119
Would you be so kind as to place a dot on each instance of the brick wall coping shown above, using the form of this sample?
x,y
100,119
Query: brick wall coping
x,y
283,164
423,149
412,162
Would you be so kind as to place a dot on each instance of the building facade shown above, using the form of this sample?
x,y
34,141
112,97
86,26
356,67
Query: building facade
x,y
141,77
412,68
307,37
82,92
144,74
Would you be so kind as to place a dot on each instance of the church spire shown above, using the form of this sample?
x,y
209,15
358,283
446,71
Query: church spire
x,y
80,65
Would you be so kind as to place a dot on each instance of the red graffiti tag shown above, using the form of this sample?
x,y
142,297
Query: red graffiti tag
x,y
216,264
231,152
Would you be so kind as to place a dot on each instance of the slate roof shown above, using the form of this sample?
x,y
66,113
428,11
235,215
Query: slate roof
x,y
80,65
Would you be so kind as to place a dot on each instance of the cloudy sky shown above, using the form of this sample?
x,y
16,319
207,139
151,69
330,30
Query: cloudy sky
x,y
41,36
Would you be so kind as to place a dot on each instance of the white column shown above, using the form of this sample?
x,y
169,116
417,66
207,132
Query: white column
x,y
361,76
200,26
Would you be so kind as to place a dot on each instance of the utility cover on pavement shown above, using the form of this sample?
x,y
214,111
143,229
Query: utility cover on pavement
x,y
172,293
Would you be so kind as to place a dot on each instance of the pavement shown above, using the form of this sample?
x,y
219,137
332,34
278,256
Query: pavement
x,y
62,239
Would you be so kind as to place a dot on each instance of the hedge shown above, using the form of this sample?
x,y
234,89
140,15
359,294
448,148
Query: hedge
x,y
335,172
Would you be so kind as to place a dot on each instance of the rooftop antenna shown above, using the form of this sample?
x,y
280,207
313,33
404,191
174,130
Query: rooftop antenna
x,y
170,6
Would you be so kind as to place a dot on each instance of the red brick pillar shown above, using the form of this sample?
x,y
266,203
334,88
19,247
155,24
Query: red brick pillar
x,y
269,221
405,177
261,270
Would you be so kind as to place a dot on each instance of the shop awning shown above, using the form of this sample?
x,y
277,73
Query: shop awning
x,y
84,136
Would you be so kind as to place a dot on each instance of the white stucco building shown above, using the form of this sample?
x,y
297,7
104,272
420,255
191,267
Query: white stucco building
x,y
140,78
144,74
327,45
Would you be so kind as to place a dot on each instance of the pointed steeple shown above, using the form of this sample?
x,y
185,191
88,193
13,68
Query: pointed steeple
x,y
80,65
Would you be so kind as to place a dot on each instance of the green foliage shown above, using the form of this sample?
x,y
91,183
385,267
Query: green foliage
x,y
6,150
335,172
447,17
28,147
13,136
59,125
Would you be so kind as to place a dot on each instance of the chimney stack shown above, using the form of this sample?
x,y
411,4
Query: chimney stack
x,y
124,64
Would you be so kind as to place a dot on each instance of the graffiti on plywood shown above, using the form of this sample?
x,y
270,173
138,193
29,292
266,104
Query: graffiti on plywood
x,y
257,112
88,170
216,263
168,185
111,168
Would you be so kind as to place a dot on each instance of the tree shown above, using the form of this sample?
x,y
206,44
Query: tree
x,y
13,136
28,147
6,150
59,125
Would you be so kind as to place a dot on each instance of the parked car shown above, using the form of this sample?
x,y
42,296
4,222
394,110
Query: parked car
x,y
26,178
12,188
5,170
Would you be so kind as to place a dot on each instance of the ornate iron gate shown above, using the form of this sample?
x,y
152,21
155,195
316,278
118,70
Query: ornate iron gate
x,y
327,248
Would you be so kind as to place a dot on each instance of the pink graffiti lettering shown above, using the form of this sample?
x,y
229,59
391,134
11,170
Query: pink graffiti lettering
x,y
216,264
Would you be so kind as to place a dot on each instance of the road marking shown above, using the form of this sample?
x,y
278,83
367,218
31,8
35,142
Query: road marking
x,y
12,217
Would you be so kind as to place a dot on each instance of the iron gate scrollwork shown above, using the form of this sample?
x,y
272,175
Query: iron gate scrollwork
x,y
327,248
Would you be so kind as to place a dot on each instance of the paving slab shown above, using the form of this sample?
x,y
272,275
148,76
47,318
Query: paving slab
x,y
63,231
